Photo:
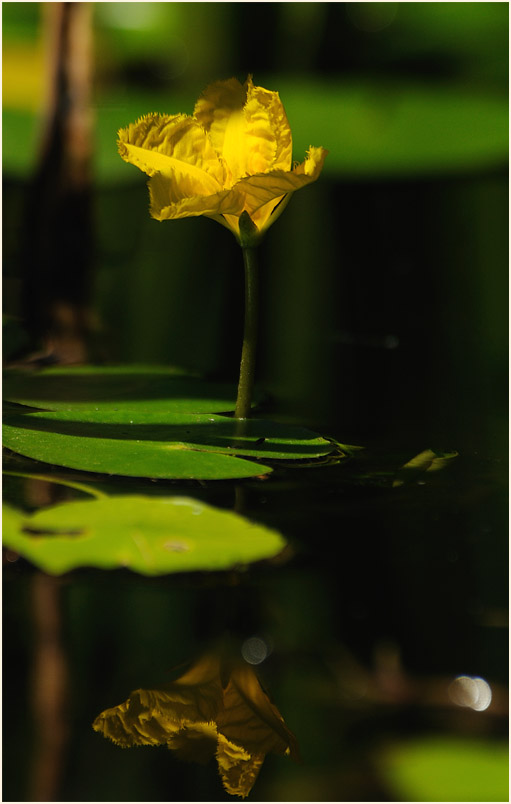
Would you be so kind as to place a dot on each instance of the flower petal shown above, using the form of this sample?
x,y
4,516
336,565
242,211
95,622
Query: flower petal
x,y
217,705
265,190
267,122
195,743
155,717
249,719
216,106
204,671
175,197
169,144
247,126
238,768
233,221
137,721
313,164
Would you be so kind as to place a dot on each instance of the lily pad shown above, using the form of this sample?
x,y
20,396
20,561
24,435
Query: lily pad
x,y
131,458
253,437
142,389
12,520
150,535
447,768
158,445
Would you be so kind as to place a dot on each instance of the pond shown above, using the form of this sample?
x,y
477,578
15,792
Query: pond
x,y
390,587
292,592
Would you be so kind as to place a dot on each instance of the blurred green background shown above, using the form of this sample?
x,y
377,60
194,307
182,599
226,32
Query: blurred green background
x,y
384,323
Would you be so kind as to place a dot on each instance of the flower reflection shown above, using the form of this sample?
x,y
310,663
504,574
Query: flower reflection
x,y
217,708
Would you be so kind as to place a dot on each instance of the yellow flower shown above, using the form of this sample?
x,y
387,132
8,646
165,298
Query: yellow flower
x,y
233,156
215,708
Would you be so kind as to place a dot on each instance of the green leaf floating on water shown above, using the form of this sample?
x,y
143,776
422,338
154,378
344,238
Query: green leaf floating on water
x,y
150,535
12,520
447,768
163,445
144,421
130,458
429,460
142,389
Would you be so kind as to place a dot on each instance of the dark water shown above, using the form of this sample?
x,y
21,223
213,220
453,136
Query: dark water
x,y
394,342
384,597
383,324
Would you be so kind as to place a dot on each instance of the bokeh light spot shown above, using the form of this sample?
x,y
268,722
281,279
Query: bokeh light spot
x,y
470,691
254,650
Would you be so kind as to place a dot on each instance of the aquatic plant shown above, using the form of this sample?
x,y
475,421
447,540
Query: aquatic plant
x,y
232,162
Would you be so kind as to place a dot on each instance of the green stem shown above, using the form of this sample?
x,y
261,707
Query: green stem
x,y
248,352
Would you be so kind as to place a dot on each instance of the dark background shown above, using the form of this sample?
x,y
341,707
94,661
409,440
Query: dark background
x,y
384,324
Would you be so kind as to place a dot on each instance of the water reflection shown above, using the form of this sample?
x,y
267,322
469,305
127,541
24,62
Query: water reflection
x,y
217,708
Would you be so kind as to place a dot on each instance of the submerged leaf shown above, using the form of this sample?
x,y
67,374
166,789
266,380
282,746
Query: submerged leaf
x,y
149,535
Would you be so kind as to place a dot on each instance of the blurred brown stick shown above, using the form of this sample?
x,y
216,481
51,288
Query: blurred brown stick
x,y
57,248
49,689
